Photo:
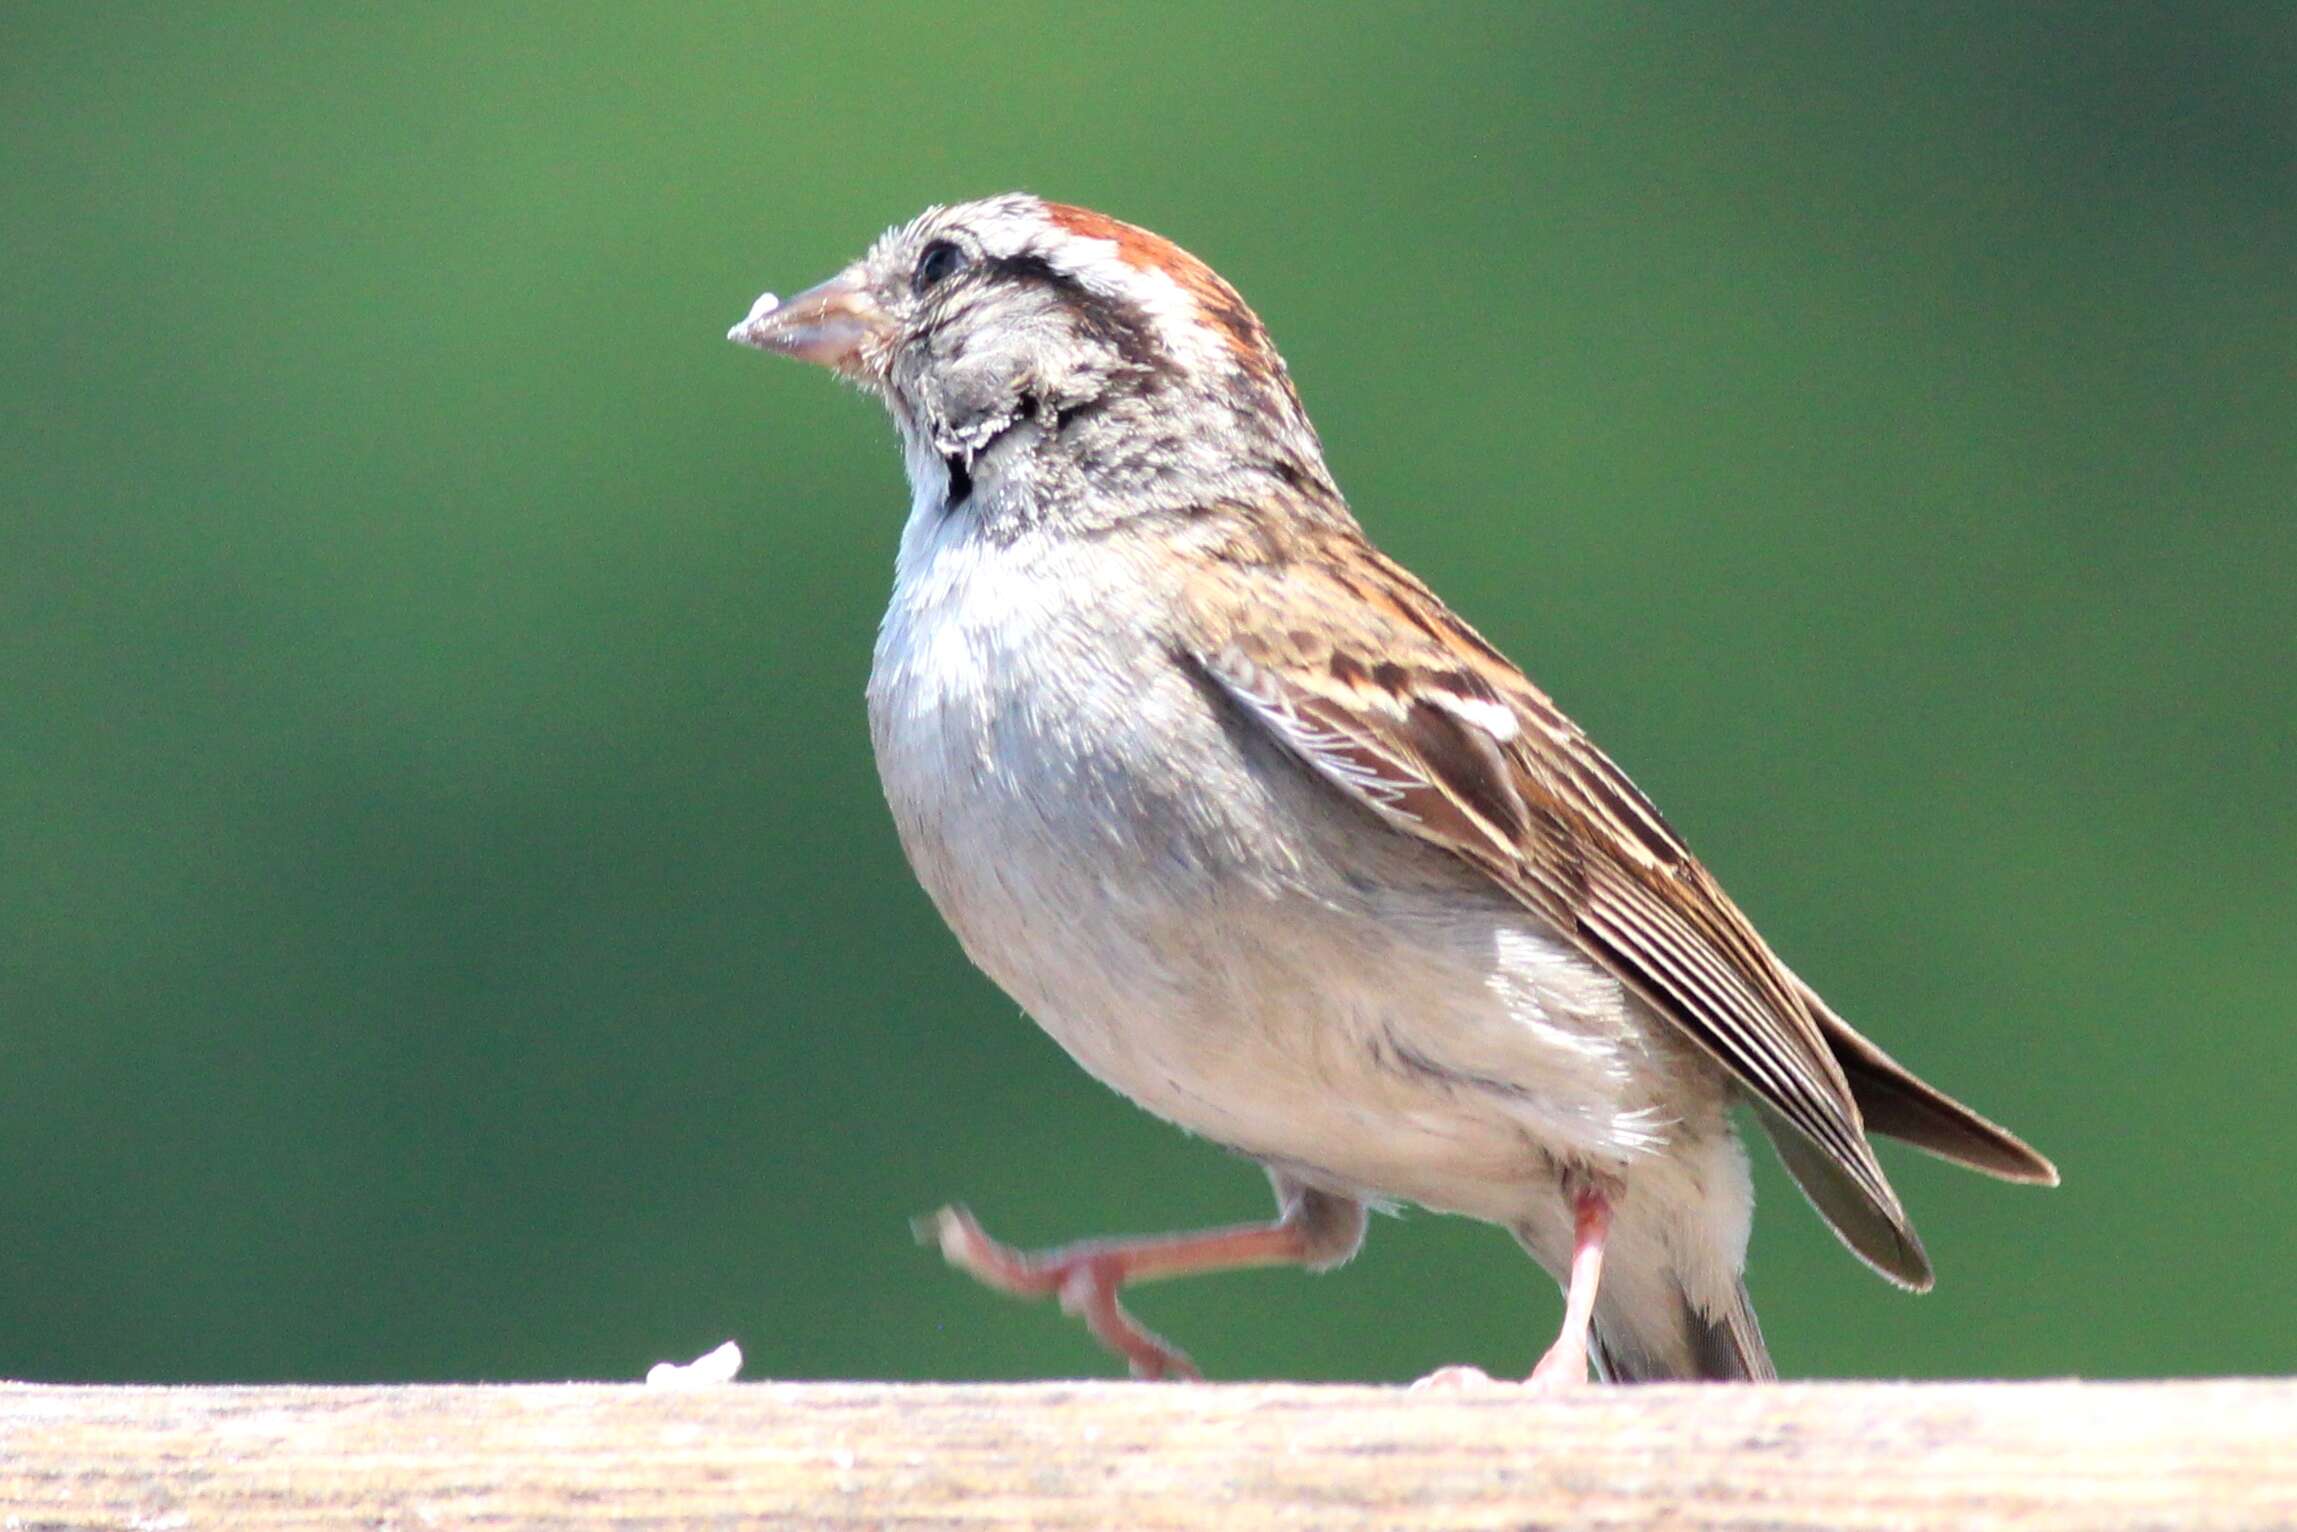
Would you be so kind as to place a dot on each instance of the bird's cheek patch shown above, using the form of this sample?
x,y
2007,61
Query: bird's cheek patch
x,y
975,403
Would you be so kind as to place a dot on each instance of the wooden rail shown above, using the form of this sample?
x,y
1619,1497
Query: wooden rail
x,y
1138,1456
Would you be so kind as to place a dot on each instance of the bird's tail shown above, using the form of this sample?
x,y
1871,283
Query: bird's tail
x,y
1668,1339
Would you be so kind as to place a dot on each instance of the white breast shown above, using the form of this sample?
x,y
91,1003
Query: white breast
x,y
1210,930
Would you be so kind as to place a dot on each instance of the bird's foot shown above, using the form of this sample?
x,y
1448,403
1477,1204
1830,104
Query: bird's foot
x,y
1563,1368
1555,1374
1457,1380
1085,1278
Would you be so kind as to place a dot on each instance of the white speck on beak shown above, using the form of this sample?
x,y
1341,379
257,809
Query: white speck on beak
x,y
765,305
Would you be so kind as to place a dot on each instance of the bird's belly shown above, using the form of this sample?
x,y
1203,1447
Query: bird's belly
x,y
1457,1066
1216,934
1404,1075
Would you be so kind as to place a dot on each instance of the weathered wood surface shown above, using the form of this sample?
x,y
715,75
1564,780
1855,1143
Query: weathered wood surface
x,y
1134,1456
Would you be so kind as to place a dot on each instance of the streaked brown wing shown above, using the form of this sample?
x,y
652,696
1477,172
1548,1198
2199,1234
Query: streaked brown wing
x,y
1380,690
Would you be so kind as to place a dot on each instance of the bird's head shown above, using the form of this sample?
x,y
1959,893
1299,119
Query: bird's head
x,y
1047,353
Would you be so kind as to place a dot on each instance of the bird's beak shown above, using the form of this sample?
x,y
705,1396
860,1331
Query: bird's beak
x,y
836,325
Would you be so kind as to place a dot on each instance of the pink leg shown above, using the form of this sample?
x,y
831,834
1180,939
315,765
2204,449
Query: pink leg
x,y
1086,1276
1565,1364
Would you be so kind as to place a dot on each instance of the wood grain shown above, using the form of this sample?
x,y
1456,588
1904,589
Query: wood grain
x,y
1137,1456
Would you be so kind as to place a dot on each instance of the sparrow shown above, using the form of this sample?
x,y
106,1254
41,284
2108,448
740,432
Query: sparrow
x,y
1276,845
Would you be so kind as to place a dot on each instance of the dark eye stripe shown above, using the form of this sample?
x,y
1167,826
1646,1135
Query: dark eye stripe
x,y
1102,316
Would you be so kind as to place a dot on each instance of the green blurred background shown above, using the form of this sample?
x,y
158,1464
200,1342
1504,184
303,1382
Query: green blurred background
x,y
448,926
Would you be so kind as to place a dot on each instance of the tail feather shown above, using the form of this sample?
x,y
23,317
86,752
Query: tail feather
x,y
1896,1103
1875,1228
1694,1347
1645,1327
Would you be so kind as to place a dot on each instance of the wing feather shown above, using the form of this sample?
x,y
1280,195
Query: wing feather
x,y
1431,729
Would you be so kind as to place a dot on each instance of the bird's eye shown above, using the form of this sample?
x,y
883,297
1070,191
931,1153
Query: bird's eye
x,y
941,260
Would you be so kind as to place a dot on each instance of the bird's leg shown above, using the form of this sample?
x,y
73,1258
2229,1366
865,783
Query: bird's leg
x,y
1315,1229
1565,1364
